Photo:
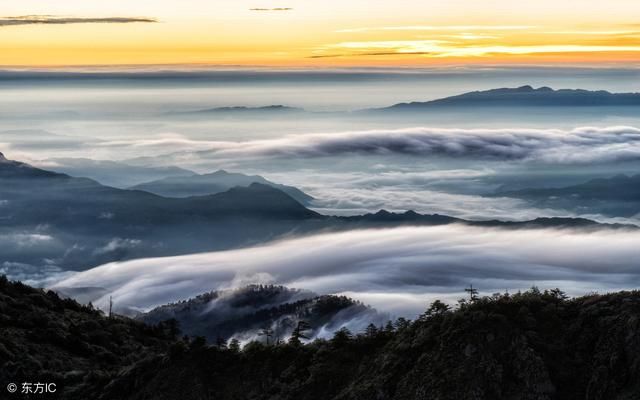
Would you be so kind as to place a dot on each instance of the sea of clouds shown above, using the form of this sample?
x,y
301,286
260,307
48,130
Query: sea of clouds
x,y
395,270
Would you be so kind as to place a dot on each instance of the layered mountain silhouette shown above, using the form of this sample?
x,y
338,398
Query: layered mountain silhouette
x,y
615,196
56,220
525,96
114,173
247,313
79,223
216,182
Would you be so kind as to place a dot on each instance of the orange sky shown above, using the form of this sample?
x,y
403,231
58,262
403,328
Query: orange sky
x,y
320,33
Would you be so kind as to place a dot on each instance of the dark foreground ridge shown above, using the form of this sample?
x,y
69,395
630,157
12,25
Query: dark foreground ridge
x,y
532,345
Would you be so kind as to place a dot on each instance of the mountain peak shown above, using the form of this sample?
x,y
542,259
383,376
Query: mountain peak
x,y
525,88
2,157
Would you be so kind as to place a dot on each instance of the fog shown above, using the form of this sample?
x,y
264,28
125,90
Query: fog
x,y
395,270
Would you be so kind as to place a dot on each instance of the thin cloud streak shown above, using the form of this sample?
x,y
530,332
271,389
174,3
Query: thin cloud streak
x,y
272,9
437,48
56,20
439,28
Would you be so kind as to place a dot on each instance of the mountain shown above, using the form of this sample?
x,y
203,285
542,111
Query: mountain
x,y
530,345
45,338
615,196
525,96
77,223
113,173
617,188
243,313
216,182
56,222
239,111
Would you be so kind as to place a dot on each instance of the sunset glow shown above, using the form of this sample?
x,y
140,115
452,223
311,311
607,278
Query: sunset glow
x,y
328,33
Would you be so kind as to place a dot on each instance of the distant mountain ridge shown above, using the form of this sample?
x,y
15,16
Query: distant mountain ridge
x,y
525,96
113,173
215,182
620,188
615,196
242,110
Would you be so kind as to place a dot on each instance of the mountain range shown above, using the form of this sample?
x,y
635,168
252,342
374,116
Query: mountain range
x,y
215,182
526,96
523,96
239,111
615,196
56,220
113,173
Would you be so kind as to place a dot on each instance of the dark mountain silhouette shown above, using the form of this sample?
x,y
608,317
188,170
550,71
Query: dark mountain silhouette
x,y
525,96
244,313
216,182
530,345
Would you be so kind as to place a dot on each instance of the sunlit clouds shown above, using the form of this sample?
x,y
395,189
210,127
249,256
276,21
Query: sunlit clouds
x,y
331,33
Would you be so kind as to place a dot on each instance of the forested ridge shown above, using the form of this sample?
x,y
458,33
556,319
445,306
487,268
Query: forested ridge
x,y
530,345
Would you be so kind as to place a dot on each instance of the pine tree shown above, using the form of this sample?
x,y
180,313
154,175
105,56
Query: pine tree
x,y
371,331
298,333
342,336
436,308
234,345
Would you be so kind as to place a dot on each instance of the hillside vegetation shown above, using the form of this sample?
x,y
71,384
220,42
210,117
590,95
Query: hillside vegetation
x,y
531,345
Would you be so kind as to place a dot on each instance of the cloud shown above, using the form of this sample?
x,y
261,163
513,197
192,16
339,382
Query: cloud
x,y
586,145
439,48
272,9
462,28
396,270
37,276
57,20
117,244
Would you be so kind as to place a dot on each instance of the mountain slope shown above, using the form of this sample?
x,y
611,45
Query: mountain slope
x,y
526,96
216,182
44,338
531,345
243,313
77,223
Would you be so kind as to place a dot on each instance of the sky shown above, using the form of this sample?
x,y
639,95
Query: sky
x,y
318,33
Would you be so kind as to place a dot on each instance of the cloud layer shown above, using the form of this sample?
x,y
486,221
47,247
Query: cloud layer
x,y
397,270
551,146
